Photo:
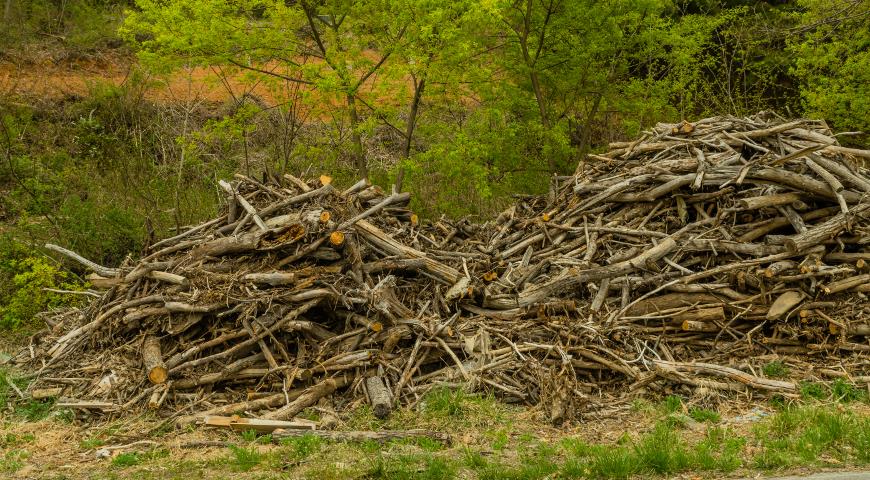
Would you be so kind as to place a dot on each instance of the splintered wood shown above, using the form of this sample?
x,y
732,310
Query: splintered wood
x,y
684,260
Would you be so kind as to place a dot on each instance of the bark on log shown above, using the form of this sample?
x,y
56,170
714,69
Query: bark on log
x,y
308,398
155,368
364,436
825,231
379,397
784,304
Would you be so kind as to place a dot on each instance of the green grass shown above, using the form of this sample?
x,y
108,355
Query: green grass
x,y
704,415
243,459
13,460
775,369
492,442
24,409
126,460
812,436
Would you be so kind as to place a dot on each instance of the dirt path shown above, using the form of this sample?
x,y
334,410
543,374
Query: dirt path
x,y
53,82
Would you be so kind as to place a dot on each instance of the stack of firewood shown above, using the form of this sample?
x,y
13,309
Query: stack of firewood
x,y
685,259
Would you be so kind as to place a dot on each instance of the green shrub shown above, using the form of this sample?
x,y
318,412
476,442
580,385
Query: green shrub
x,y
24,279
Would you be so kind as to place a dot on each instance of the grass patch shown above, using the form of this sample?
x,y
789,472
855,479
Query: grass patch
x,y
243,459
293,451
412,466
775,369
13,460
704,415
661,451
126,460
12,440
812,436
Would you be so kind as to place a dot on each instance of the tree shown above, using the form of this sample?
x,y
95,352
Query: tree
x,y
333,47
830,42
575,57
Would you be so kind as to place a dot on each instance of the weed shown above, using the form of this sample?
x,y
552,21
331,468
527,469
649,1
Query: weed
x,y
811,390
428,444
775,369
304,446
33,410
662,451
499,441
640,405
704,415
473,459
607,462
12,440
672,404
13,460
244,459
249,435
91,443
847,392
719,451
811,435
7,380
402,467
126,460
445,402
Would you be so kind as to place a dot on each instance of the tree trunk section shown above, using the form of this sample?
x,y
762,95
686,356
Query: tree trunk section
x,y
155,368
379,397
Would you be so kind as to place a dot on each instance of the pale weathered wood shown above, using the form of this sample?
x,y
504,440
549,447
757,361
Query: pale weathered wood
x,y
152,359
379,396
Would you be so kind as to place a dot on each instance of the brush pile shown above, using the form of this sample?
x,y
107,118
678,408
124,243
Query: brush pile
x,y
685,260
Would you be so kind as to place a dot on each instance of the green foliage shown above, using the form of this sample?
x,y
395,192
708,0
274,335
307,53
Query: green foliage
x,y
80,26
23,283
672,404
126,460
13,460
775,369
811,435
704,415
244,458
839,391
661,451
303,446
812,390
411,466
846,392
832,61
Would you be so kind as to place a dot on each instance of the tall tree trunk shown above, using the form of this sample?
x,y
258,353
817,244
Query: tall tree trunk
x,y
533,76
409,129
545,119
7,11
586,138
359,159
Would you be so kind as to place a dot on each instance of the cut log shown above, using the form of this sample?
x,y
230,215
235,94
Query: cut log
x,y
43,393
766,201
784,304
846,284
825,231
273,279
364,436
336,239
379,397
306,399
155,368
702,315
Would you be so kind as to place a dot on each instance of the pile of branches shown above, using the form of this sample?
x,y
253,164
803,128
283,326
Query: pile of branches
x,y
684,260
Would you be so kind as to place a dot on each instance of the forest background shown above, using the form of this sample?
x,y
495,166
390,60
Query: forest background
x,y
466,104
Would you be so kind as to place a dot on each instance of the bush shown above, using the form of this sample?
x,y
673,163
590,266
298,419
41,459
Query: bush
x,y
24,277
